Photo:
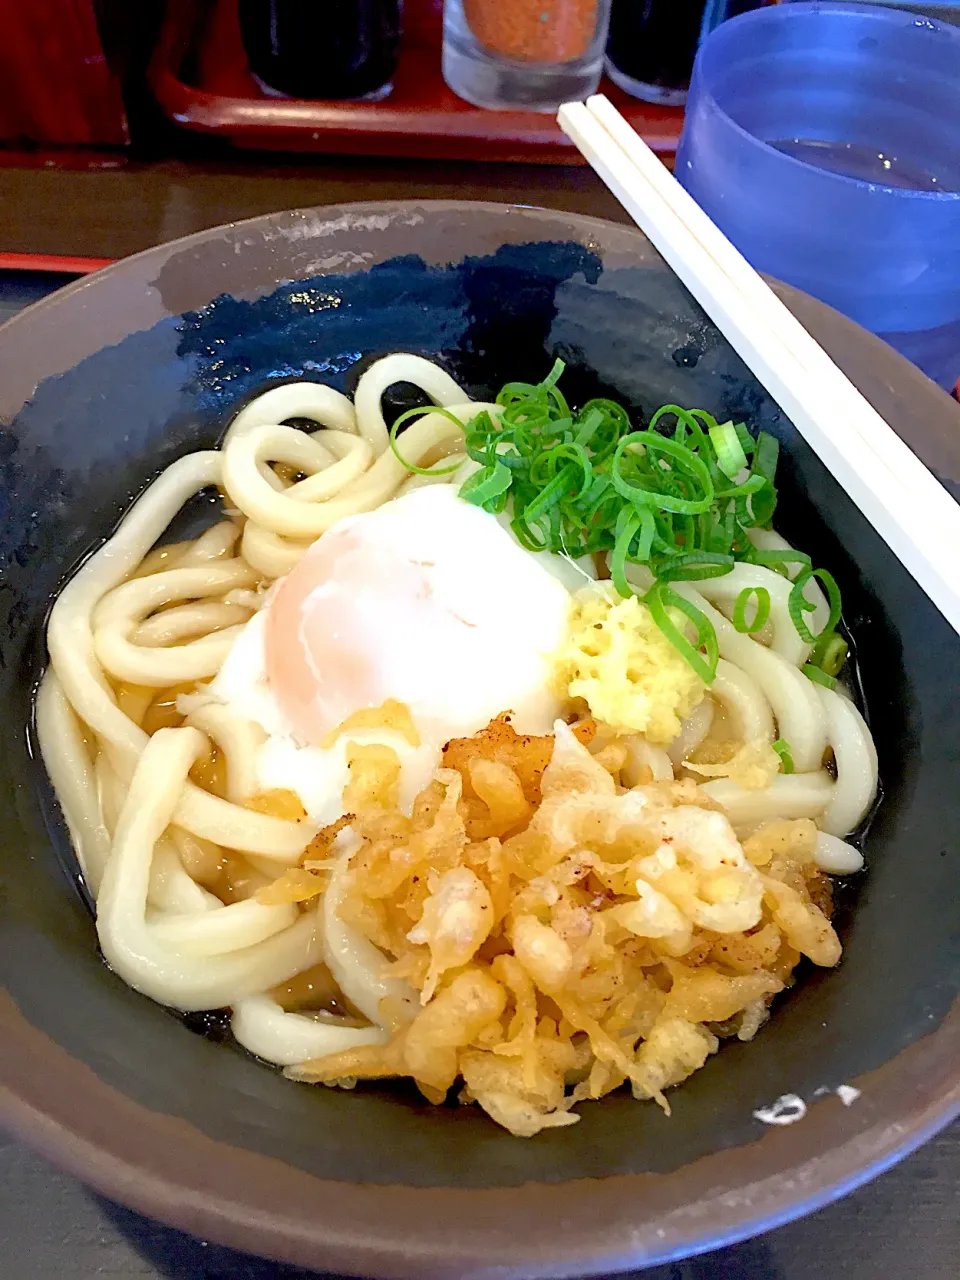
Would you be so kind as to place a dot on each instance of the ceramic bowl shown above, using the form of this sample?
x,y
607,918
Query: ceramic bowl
x,y
104,384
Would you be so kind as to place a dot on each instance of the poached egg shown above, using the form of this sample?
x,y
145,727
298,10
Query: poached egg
x,y
427,601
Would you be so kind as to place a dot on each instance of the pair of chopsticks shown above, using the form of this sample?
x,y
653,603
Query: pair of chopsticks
x,y
904,502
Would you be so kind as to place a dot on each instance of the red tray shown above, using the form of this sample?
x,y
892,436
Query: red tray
x,y
201,80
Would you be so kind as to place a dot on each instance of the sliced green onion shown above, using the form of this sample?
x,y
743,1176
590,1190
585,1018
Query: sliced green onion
x,y
525,536
668,498
819,677
747,442
686,420
830,653
782,748
655,492
618,556
414,413
759,620
661,597
553,377
731,458
746,489
483,486
766,456
694,567
798,604
777,560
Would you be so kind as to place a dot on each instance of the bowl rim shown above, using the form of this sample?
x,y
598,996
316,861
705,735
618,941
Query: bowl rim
x,y
165,1168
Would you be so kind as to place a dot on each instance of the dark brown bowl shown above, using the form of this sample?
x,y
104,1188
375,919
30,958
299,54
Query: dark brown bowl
x,y
107,382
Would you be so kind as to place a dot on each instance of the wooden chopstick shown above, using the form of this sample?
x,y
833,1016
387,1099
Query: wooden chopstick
x,y
886,480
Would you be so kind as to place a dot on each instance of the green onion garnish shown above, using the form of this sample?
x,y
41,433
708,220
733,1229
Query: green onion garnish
x,y
678,497
731,458
819,676
777,560
830,653
761,614
416,413
799,604
658,599
782,748
484,487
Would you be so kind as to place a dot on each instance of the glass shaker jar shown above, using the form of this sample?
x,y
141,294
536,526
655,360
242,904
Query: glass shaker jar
x,y
312,49
524,54
653,43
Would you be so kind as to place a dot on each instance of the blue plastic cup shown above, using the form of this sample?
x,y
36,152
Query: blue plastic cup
x,y
824,139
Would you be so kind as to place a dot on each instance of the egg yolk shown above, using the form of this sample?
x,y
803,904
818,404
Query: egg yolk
x,y
350,627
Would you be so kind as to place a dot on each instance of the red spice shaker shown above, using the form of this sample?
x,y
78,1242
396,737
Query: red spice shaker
x,y
527,54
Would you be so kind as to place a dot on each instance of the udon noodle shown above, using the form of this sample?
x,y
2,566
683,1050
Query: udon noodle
x,y
159,784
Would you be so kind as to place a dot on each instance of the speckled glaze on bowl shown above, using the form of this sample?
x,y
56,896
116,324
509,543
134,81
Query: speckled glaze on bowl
x,y
103,385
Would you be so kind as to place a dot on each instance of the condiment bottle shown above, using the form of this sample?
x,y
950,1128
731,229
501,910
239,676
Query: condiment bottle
x,y
315,49
653,43
529,54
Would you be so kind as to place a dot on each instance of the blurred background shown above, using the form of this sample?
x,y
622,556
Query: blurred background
x,y
125,124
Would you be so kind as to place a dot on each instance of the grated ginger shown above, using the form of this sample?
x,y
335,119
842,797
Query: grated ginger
x,y
619,661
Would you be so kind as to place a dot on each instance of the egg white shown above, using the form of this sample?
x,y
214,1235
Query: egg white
x,y
317,775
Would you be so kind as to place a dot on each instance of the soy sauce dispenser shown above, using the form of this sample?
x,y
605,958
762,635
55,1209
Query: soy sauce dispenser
x,y
317,49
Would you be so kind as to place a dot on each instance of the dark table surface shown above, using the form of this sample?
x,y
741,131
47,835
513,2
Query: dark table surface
x,y
904,1226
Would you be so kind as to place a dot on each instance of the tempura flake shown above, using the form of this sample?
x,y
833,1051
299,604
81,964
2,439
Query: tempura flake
x,y
566,934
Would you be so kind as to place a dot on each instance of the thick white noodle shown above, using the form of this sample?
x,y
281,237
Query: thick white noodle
x,y
221,931
215,543
312,400
172,888
743,701
426,375
130,944
286,1039
798,711
239,740
185,621
110,791
299,511
835,856
253,601
856,759
69,632
268,553
118,615
201,859
242,829
644,758
364,492
358,967
693,730
72,774
791,795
